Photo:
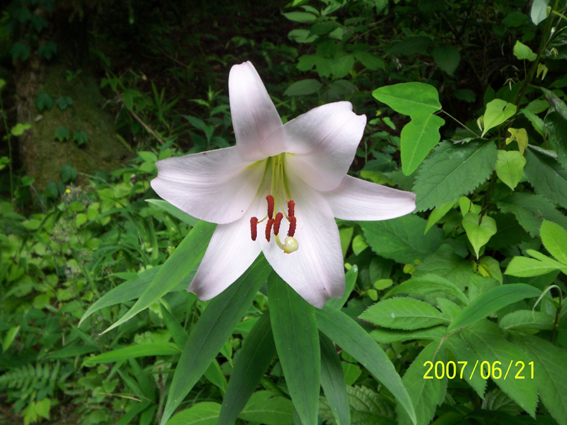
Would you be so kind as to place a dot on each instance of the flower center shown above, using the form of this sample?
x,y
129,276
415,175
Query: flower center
x,y
277,199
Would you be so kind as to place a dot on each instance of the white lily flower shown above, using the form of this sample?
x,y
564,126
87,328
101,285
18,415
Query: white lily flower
x,y
247,190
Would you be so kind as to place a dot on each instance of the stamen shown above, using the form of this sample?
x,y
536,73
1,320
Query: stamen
x,y
269,225
291,209
270,200
277,222
254,227
292,223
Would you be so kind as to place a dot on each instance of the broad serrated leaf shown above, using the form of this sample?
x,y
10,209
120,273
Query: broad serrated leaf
x,y
354,340
366,407
370,60
417,139
411,46
463,352
264,408
489,344
404,313
497,111
492,301
409,98
322,28
547,177
447,58
402,239
427,285
530,211
527,319
297,343
341,67
303,88
301,17
211,332
445,263
528,267
550,370
426,393
302,36
554,238
556,127
205,413
453,171
510,167
387,336
479,230
557,103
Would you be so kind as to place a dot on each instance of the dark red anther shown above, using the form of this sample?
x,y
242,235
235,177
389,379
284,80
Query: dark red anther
x,y
291,209
277,222
269,225
270,200
254,227
292,223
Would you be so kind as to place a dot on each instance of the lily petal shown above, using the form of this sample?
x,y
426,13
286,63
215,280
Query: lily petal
x,y
229,254
254,115
315,271
215,186
324,141
356,199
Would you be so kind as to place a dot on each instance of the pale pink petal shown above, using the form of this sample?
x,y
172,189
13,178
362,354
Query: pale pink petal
x,y
215,186
254,115
356,199
315,271
323,142
231,251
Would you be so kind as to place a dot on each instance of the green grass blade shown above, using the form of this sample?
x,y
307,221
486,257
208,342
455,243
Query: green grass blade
x,y
211,332
297,343
345,332
185,257
333,381
257,352
491,301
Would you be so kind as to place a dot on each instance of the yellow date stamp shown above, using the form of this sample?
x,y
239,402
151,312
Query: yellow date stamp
x,y
494,370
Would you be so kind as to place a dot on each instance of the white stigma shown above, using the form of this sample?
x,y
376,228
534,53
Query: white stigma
x,y
290,245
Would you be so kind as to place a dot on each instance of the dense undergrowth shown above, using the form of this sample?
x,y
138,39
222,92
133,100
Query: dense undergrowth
x,y
490,195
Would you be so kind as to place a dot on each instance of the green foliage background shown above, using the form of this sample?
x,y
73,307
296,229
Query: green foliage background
x,y
466,108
